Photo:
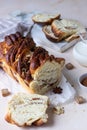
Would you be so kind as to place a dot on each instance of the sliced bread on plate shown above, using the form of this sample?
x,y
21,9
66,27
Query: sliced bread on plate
x,y
64,28
49,33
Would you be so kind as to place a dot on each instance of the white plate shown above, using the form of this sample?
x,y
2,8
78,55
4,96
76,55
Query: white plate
x,y
41,40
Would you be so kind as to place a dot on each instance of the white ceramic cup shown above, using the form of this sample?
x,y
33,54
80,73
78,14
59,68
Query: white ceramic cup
x,y
80,53
83,87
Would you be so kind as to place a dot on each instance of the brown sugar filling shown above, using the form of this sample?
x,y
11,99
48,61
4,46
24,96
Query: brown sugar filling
x,y
84,81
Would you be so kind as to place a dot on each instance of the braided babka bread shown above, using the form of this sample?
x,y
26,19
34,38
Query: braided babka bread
x,y
31,66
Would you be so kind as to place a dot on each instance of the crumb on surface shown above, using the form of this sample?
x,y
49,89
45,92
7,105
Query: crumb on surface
x,y
58,110
5,92
80,99
69,66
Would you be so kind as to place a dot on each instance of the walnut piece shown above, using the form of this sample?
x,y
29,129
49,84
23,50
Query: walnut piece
x,y
5,92
69,66
57,90
80,99
58,110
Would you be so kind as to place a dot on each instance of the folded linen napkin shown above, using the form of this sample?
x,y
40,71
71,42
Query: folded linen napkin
x,y
16,22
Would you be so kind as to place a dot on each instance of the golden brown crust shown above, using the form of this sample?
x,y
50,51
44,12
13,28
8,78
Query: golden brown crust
x,y
9,120
57,32
17,54
38,122
39,57
20,58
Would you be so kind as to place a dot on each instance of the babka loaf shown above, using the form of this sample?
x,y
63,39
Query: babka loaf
x,y
27,109
31,66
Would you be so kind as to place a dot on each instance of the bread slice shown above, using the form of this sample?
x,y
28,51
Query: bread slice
x,y
27,109
65,27
81,30
47,76
49,33
72,37
44,18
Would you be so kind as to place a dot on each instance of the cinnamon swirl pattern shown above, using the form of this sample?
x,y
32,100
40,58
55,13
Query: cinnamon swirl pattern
x,y
31,66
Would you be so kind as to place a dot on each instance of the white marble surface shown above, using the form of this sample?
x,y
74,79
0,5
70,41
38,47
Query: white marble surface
x,y
76,9
75,116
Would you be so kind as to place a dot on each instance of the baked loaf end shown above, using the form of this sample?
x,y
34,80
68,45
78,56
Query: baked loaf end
x,y
27,109
31,66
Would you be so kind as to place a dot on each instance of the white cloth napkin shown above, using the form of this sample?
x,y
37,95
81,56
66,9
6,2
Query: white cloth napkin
x,y
15,22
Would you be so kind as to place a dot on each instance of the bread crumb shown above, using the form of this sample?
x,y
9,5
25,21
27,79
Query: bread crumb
x,y
69,66
80,99
58,110
5,92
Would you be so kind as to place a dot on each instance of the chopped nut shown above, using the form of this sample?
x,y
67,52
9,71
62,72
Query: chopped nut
x,y
69,66
58,110
5,92
35,98
84,81
80,100
57,90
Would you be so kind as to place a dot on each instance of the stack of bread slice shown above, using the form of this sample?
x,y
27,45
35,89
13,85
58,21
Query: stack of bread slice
x,y
59,29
